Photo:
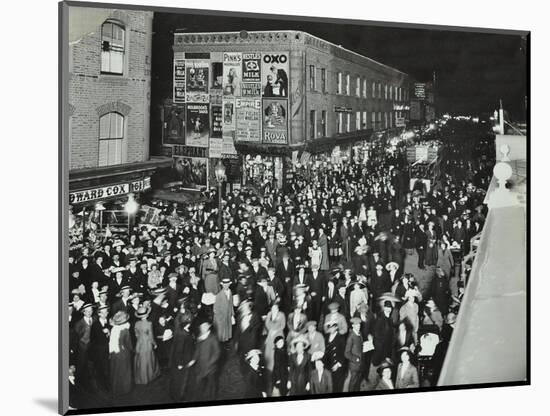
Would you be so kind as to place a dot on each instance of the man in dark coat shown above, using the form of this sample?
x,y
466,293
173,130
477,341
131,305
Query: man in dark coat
x,y
335,360
99,347
316,283
354,354
421,241
440,291
83,329
380,282
205,363
383,335
248,330
181,354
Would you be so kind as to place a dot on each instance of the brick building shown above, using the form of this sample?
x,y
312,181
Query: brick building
x,y
274,96
109,83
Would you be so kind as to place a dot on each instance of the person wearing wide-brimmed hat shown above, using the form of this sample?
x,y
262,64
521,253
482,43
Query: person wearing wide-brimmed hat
x,y
120,354
385,370
299,364
146,367
407,374
254,375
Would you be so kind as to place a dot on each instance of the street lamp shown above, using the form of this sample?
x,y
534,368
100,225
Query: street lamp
x,y
131,207
219,171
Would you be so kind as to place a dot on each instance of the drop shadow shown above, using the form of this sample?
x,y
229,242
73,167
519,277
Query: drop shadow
x,y
49,404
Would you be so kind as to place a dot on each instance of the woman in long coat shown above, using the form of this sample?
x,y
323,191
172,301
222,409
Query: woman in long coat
x,y
146,367
323,244
299,363
223,312
407,374
120,354
275,323
210,273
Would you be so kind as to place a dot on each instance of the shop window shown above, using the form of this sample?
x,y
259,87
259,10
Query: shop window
x,y
339,84
312,124
312,80
324,123
112,48
323,80
111,136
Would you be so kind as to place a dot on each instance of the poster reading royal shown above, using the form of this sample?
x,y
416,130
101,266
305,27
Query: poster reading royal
x,y
232,73
275,121
197,131
248,120
197,80
274,74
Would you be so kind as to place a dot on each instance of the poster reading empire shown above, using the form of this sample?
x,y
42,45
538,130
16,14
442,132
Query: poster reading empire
x,y
248,120
197,131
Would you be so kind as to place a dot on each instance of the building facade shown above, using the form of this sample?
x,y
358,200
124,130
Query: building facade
x,y
264,99
109,85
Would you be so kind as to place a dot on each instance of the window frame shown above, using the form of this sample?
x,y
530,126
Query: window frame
x,y
122,49
312,78
111,139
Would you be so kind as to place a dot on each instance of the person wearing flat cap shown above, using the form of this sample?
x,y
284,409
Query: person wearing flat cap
x,y
354,354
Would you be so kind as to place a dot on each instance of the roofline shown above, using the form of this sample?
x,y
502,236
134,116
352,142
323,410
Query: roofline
x,y
299,31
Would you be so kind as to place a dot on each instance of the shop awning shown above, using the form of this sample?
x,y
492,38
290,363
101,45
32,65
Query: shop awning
x,y
325,144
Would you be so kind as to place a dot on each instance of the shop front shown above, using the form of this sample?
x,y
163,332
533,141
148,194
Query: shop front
x,y
106,200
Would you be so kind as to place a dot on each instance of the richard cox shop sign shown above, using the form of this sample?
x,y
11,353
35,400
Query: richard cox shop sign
x,y
79,197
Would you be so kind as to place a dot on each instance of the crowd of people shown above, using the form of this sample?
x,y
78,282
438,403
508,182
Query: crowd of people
x,y
307,285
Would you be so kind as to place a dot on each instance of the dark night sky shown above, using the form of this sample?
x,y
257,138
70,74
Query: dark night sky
x,y
473,70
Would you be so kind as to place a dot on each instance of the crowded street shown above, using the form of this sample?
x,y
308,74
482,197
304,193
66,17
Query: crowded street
x,y
348,277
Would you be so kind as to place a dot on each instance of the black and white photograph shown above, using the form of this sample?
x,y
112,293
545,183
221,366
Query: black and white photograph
x,y
264,208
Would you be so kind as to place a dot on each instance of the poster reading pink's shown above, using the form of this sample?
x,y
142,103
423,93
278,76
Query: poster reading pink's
x,y
275,121
198,122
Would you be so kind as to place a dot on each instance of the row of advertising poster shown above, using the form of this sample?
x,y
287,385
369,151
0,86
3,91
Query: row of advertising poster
x,y
235,96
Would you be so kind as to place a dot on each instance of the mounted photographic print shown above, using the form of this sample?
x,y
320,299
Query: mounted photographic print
x,y
267,208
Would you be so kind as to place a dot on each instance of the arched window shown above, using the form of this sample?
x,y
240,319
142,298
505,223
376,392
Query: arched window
x,y
112,47
111,136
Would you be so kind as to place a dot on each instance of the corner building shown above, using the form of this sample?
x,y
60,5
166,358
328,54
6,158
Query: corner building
x,y
109,84
314,99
